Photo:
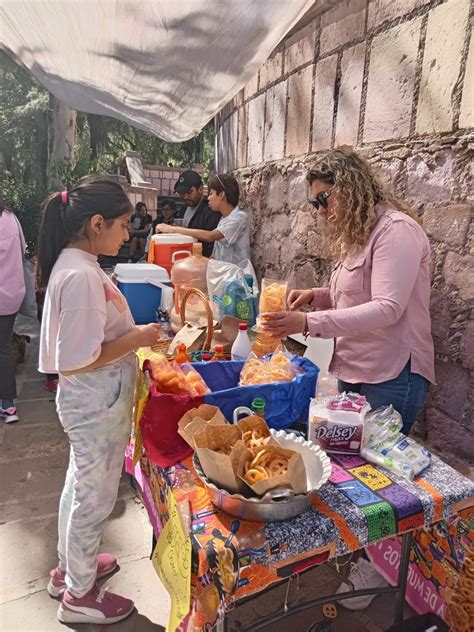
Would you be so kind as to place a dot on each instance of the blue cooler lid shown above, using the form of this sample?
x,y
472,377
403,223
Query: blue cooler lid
x,y
140,272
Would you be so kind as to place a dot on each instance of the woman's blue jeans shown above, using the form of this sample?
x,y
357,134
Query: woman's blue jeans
x,y
407,394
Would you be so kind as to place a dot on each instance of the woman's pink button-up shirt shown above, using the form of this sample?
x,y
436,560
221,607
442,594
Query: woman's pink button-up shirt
x,y
377,305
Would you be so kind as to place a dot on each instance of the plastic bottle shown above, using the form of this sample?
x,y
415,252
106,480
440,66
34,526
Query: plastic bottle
x,y
218,353
206,357
258,406
242,346
182,355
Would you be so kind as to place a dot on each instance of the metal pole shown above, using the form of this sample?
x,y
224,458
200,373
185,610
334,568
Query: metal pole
x,y
402,577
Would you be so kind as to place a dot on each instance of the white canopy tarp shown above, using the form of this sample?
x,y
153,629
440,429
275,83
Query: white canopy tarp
x,y
165,66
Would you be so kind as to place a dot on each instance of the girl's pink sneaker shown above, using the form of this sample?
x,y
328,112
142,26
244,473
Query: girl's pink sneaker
x,y
97,606
106,564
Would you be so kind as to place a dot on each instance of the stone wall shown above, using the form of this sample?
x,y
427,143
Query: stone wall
x,y
394,79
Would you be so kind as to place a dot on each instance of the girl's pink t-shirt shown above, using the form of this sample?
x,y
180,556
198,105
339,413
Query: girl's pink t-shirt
x,y
82,309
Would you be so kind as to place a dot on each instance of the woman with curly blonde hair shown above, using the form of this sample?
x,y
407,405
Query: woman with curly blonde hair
x,y
377,304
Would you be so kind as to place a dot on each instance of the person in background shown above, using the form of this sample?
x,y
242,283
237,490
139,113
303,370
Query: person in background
x,y
198,214
12,293
140,224
377,304
165,215
88,336
231,237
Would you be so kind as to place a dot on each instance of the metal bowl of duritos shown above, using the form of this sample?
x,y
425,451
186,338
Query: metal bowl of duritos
x,y
277,504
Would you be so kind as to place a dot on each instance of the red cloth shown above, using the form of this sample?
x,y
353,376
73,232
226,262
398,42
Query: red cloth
x,y
159,427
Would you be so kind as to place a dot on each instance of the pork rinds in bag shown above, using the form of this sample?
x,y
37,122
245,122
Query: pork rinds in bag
x,y
273,296
255,432
273,466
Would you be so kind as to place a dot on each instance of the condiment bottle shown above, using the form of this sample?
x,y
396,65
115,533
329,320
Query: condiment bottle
x,y
218,353
258,406
182,355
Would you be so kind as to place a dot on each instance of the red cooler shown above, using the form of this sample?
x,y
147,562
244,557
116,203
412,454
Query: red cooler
x,y
166,248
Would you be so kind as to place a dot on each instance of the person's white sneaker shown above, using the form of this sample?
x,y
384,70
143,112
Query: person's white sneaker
x,y
363,575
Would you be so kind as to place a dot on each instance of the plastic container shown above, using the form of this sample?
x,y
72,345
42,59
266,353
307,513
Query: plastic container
x,y
141,284
167,248
189,271
242,346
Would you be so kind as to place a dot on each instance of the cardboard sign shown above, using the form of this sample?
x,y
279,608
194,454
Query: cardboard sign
x,y
172,561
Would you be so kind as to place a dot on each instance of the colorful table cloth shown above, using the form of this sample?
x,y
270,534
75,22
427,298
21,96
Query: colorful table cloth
x,y
360,504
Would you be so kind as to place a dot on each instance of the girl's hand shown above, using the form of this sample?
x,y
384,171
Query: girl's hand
x,y
148,335
298,298
282,324
164,228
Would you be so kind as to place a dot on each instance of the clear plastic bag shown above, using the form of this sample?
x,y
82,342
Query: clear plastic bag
x,y
276,368
233,290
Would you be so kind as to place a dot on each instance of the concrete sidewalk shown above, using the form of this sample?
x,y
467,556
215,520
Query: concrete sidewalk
x,y
33,462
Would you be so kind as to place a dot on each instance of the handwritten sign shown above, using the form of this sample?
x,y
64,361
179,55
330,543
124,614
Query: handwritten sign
x,y
141,401
172,561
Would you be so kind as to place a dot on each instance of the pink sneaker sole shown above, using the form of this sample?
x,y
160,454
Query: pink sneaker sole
x,y
67,616
56,591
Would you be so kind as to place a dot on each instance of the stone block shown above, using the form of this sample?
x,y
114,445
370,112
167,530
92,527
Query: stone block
x,y
466,117
341,24
275,113
430,176
448,224
297,188
452,387
348,107
389,172
459,271
441,320
299,112
242,137
445,35
275,195
467,346
256,117
252,87
299,53
227,144
391,82
381,11
447,436
324,103
271,70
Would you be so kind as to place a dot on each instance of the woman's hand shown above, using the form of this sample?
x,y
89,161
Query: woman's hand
x,y
281,324
298,298
165,228
148,335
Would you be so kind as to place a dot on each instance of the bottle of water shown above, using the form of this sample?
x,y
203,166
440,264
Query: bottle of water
x,y
242,347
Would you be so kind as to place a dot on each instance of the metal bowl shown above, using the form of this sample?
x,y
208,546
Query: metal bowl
x,y
280,503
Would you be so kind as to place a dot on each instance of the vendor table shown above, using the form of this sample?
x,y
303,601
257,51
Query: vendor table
x,y
360,504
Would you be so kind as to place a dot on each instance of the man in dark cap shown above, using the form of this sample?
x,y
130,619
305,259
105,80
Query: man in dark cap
x,y
197,214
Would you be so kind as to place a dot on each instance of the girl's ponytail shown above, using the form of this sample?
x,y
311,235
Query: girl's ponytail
x,y
53,236
66,214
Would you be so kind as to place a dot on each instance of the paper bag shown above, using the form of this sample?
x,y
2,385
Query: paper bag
x,y
190,335
255,432
221,452
197,419
295,476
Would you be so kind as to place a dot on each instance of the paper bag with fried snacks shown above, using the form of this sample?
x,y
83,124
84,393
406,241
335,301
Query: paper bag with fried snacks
x,y
272,467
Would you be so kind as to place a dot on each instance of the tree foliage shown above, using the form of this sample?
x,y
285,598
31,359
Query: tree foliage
x,y
99,140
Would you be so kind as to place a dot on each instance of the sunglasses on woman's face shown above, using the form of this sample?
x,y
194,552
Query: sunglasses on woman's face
x,y
321,199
